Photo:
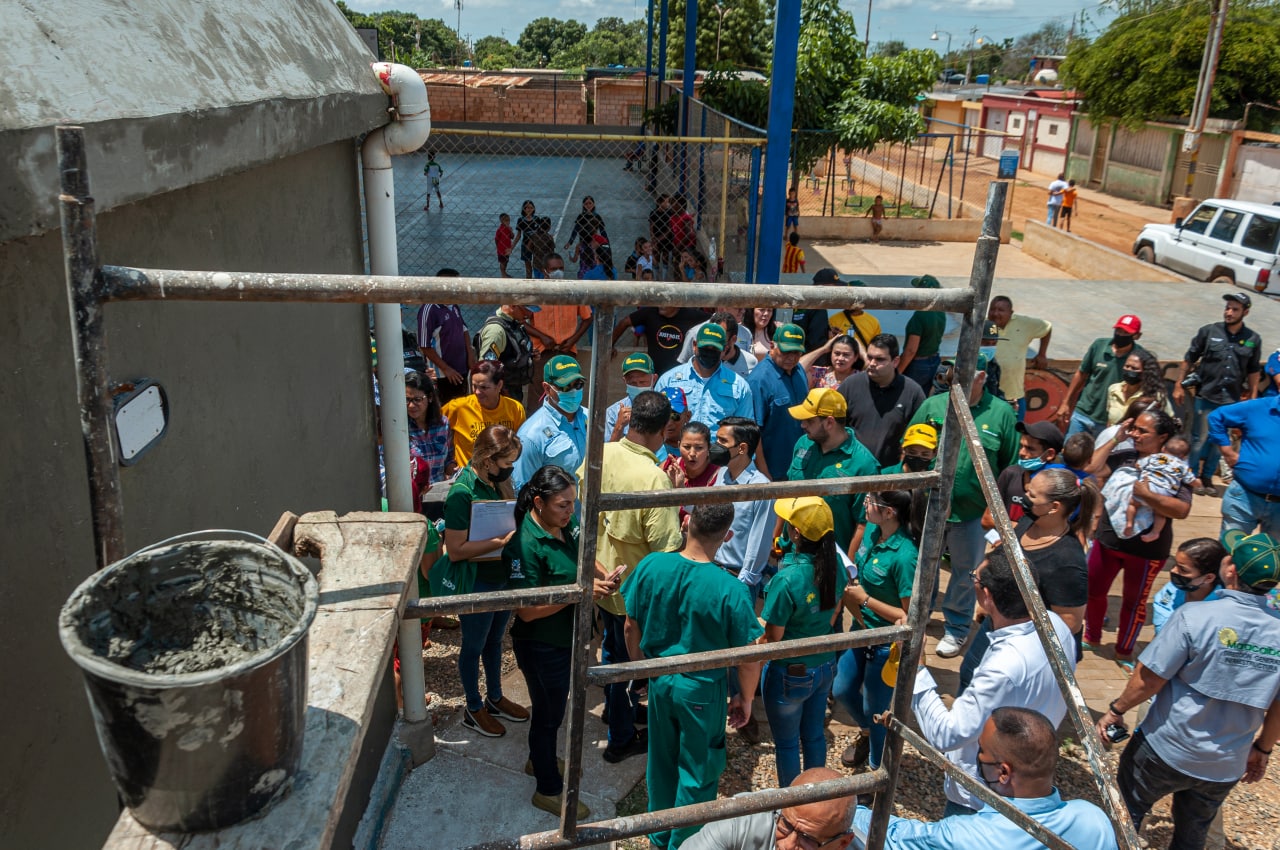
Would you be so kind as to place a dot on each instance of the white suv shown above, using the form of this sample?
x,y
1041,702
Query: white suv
x,y
1222,240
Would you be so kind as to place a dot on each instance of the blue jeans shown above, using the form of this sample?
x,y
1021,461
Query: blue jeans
x,y
1083,424
965,544
796,707
1204,452
482,643
973,655
863,693
1144,777
1051,216
546,672
1246,511
922,369
617,696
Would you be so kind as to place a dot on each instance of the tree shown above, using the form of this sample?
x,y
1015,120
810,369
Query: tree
x,y
745,29
883,106
408,39
1146,64
493,53
612,42
545,38
1049,40
890,48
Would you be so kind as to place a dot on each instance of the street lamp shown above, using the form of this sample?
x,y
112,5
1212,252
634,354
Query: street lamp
x,y
721,11
968,67
934,37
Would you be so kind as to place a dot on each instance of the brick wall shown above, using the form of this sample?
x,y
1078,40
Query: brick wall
x,y
565,104
618,103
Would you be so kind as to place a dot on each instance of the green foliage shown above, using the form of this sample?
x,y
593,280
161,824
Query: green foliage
x,y
663,119
408,39
493,53
746,31
883,106
889,48
1049,40
545,38
612,42
746,100
1146,64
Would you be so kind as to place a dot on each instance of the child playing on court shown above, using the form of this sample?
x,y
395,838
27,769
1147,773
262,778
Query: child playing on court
x,y
792,255
877,217
1165,473
792,212
433,172
1068,205
503,238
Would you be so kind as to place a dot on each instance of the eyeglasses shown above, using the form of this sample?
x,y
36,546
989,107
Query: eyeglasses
x,y
784,827
576,385
416,399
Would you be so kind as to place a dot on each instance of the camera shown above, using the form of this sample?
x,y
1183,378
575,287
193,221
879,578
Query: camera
x,y
1191,382
1116,733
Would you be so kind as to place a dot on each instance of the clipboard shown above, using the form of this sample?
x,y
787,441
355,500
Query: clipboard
x,y
491,519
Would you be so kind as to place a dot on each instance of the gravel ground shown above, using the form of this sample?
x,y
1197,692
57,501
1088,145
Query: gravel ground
x,y
1252,812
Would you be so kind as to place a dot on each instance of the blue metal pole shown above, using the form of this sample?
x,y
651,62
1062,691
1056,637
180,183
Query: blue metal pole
x,y
782,101
753,209
648,55
690,62
664,25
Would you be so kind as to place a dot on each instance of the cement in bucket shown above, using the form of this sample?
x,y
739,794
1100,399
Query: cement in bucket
x,y
194,655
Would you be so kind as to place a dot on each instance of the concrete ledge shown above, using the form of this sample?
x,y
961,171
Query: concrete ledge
x,y
850,227
1086,259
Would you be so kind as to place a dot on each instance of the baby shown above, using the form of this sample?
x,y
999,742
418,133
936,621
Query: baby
x,y
1165,473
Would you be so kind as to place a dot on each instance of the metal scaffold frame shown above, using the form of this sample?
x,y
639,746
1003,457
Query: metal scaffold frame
x,y
91,286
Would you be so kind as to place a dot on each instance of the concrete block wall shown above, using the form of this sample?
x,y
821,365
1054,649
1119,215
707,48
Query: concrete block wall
x,y
565,104
615,99
1087,259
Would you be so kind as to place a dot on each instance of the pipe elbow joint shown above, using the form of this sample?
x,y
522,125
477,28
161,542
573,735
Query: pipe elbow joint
x,y
411,124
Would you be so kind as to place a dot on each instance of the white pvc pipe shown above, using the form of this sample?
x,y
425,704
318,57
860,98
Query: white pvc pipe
x,y
409,128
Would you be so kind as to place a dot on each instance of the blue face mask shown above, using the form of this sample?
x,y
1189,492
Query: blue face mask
x,y
989,351
689,272
632,392
569,400
1032,464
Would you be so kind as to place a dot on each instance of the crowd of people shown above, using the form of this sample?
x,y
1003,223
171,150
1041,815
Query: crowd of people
x,y
725,397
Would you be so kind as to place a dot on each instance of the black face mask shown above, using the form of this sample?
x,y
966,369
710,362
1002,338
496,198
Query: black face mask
x,y
1183,583
708,358
915,463
502,474
1132,376
719,454
1028,506
1121,340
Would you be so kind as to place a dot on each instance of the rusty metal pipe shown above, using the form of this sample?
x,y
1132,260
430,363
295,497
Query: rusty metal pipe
x,y
776,490
498,600
606,831
718,658
132,284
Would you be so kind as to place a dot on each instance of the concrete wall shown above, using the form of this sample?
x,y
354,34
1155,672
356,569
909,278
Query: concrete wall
x,y
565,104
1088,260
1136,184
618,102
897,229
270,410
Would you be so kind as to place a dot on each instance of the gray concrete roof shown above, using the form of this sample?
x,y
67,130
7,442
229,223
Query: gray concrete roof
x,y
171,93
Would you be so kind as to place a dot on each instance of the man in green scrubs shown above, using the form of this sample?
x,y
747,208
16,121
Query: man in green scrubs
x,y
678,603
829,450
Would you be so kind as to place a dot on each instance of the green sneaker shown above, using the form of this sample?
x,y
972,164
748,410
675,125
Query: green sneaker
x,y
551,804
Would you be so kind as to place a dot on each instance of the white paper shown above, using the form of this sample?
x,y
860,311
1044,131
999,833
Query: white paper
x,y
489,520
848,564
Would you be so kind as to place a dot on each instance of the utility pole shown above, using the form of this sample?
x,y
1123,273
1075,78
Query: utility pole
x,y
1204,89
866,46
968,65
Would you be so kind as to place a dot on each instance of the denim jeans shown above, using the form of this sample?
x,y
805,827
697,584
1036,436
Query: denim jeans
x,y
965,543
973,654
617,696
796,707
1083,424
922,369
1204,452
482,643
1144,778
546,672
1246,511
862,692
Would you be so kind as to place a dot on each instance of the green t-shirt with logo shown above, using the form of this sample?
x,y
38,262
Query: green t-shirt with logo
x,y
792,602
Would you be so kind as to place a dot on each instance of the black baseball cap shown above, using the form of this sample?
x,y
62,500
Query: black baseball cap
x,y
1244,300
1047,433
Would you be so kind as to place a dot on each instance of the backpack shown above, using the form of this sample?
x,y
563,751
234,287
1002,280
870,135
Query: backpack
x,y
517,354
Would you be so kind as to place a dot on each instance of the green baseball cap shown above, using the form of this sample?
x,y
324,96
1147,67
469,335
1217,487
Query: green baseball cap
x,y
1256,556
789,338
561,370
711,336
638,362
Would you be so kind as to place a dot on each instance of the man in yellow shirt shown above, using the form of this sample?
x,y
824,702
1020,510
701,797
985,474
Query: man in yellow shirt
x,y
1016,333
864,325
625,538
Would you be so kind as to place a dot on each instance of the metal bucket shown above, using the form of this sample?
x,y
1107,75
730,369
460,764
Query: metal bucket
x,y
194,653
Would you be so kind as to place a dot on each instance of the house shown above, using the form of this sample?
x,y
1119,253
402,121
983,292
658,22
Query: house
x,y
219,136
1035,121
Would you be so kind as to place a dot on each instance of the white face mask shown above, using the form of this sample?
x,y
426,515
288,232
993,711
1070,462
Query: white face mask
x,y
558,273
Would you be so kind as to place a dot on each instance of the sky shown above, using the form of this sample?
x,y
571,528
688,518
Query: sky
x,y
911,21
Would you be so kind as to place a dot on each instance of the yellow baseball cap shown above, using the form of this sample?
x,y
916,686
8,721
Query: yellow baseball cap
x,y
921,435
809,515
823,401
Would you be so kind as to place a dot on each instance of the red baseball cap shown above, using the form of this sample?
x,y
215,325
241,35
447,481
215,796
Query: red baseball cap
x,y
1129,324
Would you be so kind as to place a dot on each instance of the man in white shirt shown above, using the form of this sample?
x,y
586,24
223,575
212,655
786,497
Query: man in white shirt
x,y
1014,673
738,333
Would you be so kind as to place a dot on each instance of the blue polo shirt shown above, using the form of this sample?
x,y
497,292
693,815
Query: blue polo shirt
x,y
1259,420
725,393
549,437
772,392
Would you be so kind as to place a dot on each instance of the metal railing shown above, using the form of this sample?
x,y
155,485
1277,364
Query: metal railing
x,y
92,286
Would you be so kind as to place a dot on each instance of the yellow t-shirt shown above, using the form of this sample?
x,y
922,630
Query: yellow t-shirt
x,y
467,419
868,325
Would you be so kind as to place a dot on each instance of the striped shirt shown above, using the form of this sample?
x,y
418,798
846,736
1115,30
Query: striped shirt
x,y
792,259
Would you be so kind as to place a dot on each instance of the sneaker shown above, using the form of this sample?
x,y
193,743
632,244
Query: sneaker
x,y
949,647
856,754
481,721
638,745
551,804
528,767
507,710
